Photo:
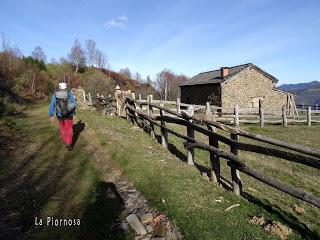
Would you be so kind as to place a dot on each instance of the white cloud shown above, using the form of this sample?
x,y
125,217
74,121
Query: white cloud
x,y
123,18
119,22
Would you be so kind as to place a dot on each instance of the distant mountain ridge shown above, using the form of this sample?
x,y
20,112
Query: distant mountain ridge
x,y
307,93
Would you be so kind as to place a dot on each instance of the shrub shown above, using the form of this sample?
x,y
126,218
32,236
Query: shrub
x,y
7,106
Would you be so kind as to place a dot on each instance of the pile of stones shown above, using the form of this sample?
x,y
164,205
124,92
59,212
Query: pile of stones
x,y
152,226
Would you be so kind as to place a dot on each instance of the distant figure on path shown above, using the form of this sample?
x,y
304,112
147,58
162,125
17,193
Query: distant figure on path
x,y
63,104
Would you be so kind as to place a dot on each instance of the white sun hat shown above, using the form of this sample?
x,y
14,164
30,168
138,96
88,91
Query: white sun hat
x,y
62,85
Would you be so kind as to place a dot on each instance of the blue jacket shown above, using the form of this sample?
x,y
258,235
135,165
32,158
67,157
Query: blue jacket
x,y
53,105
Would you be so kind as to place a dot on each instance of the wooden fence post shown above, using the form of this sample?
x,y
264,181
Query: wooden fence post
x,y
190,134
164,133
118,103
261,113
134,105
90,100
152,133
208,110
141,106
214,159
236,116
309,116
148,106
178,105
284,116
235,174
126,110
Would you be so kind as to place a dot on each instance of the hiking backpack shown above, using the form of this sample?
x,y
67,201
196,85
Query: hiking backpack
x,y
62,99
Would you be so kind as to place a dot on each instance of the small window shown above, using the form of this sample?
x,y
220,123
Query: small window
x,y
255,101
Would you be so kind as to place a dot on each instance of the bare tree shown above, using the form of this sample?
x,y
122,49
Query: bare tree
x,y
149,82
163,81
90,52
76,56
160,85
38,54
126,72
9,63
167,84
137,76
7,57
101,60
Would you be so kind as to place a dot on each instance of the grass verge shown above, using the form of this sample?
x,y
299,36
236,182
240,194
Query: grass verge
x,y
191,201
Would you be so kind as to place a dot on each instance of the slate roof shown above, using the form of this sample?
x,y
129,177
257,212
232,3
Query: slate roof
x,y
215,76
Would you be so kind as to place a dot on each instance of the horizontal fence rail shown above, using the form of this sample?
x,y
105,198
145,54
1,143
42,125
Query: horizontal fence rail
x,y
207,124
259,115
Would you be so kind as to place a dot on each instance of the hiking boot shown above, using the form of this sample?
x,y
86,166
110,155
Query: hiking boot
x,y
69,147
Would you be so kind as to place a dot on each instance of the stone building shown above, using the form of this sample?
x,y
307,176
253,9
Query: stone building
x,y
242,85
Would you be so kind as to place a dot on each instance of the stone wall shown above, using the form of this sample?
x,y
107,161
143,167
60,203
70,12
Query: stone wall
x,y
247,87
200,94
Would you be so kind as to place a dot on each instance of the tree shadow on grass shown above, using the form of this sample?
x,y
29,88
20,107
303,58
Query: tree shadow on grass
x,y
101,219
77,129
285,217
39,180
27,189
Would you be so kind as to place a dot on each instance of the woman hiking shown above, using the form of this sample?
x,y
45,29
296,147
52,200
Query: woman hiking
x,y
64,105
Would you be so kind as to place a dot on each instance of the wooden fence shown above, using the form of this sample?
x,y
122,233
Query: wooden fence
x,y
144,112
261,115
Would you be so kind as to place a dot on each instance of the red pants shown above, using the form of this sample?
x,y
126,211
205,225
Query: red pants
x,y
66,130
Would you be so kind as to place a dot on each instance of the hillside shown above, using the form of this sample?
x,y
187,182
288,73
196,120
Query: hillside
x,y
307,93
128,84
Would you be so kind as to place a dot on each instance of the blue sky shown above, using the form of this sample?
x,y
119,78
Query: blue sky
x,y
281,37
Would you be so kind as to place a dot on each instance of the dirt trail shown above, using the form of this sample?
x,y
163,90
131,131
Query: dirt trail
x,y
38,176
134,201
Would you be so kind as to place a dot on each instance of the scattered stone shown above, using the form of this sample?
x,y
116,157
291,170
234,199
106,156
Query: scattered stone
x,y
169,235
298,209
205,176
175,237
272,226
136,225
135,128
257,220
158,218
158,238
252,189
159,230
149,229
145,218
279,229
163,201
147,237
231,207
